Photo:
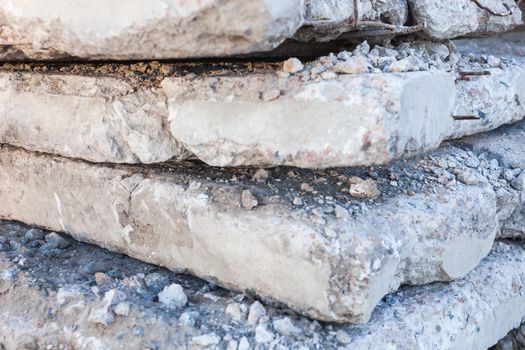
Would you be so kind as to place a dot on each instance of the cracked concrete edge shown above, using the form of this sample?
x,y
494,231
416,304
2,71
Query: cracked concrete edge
x,y
226,120
158,29
467,314
214,28
160,219
446,19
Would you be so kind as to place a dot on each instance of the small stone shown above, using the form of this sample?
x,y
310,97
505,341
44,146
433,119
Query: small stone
x,y
248,200
35,234
102,278
365,189
362,49
355,65
342,337
206,340
188,318
262,334
122,309
156,282
341,212
297,201
467,177
328,75
284,326
260,176
257,311
292,65
195,185
173,296
236,311
306,187
508,175
472,162
54,240
244,344
232,345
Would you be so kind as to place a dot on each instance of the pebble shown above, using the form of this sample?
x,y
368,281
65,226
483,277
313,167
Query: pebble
x,y
236,311
244,344
341,212
248,200
343,337
206,340
102,278
285,326
297,201
467,177
508,175
122,309
364,189
260,176
156,282
292,65
35,234
355,65
188,318
173,296
257,311
54,240
262,334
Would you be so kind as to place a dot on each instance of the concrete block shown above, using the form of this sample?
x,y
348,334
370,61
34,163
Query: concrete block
x,y
467,314
259,118
331,256
134,29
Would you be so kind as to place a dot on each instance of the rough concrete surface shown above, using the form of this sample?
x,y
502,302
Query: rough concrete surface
x,y
83,297
134,29
341,254
334,112
446,19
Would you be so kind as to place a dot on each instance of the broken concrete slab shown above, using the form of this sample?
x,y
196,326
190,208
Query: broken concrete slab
x,y
126,30
100,119
337,256
229,117
346,121
471,313
447,19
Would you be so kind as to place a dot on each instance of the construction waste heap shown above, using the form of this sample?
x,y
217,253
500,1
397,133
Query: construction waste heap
x,y
262,174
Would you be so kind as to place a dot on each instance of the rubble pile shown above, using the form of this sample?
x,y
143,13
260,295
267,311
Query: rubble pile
x,y
369,194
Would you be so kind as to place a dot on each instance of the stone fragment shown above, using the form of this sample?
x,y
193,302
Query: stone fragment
x,y
285,326
54,240
364,189
173,296
205,340
133,29
330,268
292,65
256,311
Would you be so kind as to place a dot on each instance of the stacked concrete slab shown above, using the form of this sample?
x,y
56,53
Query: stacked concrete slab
x,y
308,184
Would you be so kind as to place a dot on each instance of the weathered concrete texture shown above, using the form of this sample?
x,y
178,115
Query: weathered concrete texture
x,y
133,29
330,261
252,118
347,121
495,99
98,119
49,297
351,120
453,18
327,19
506,144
